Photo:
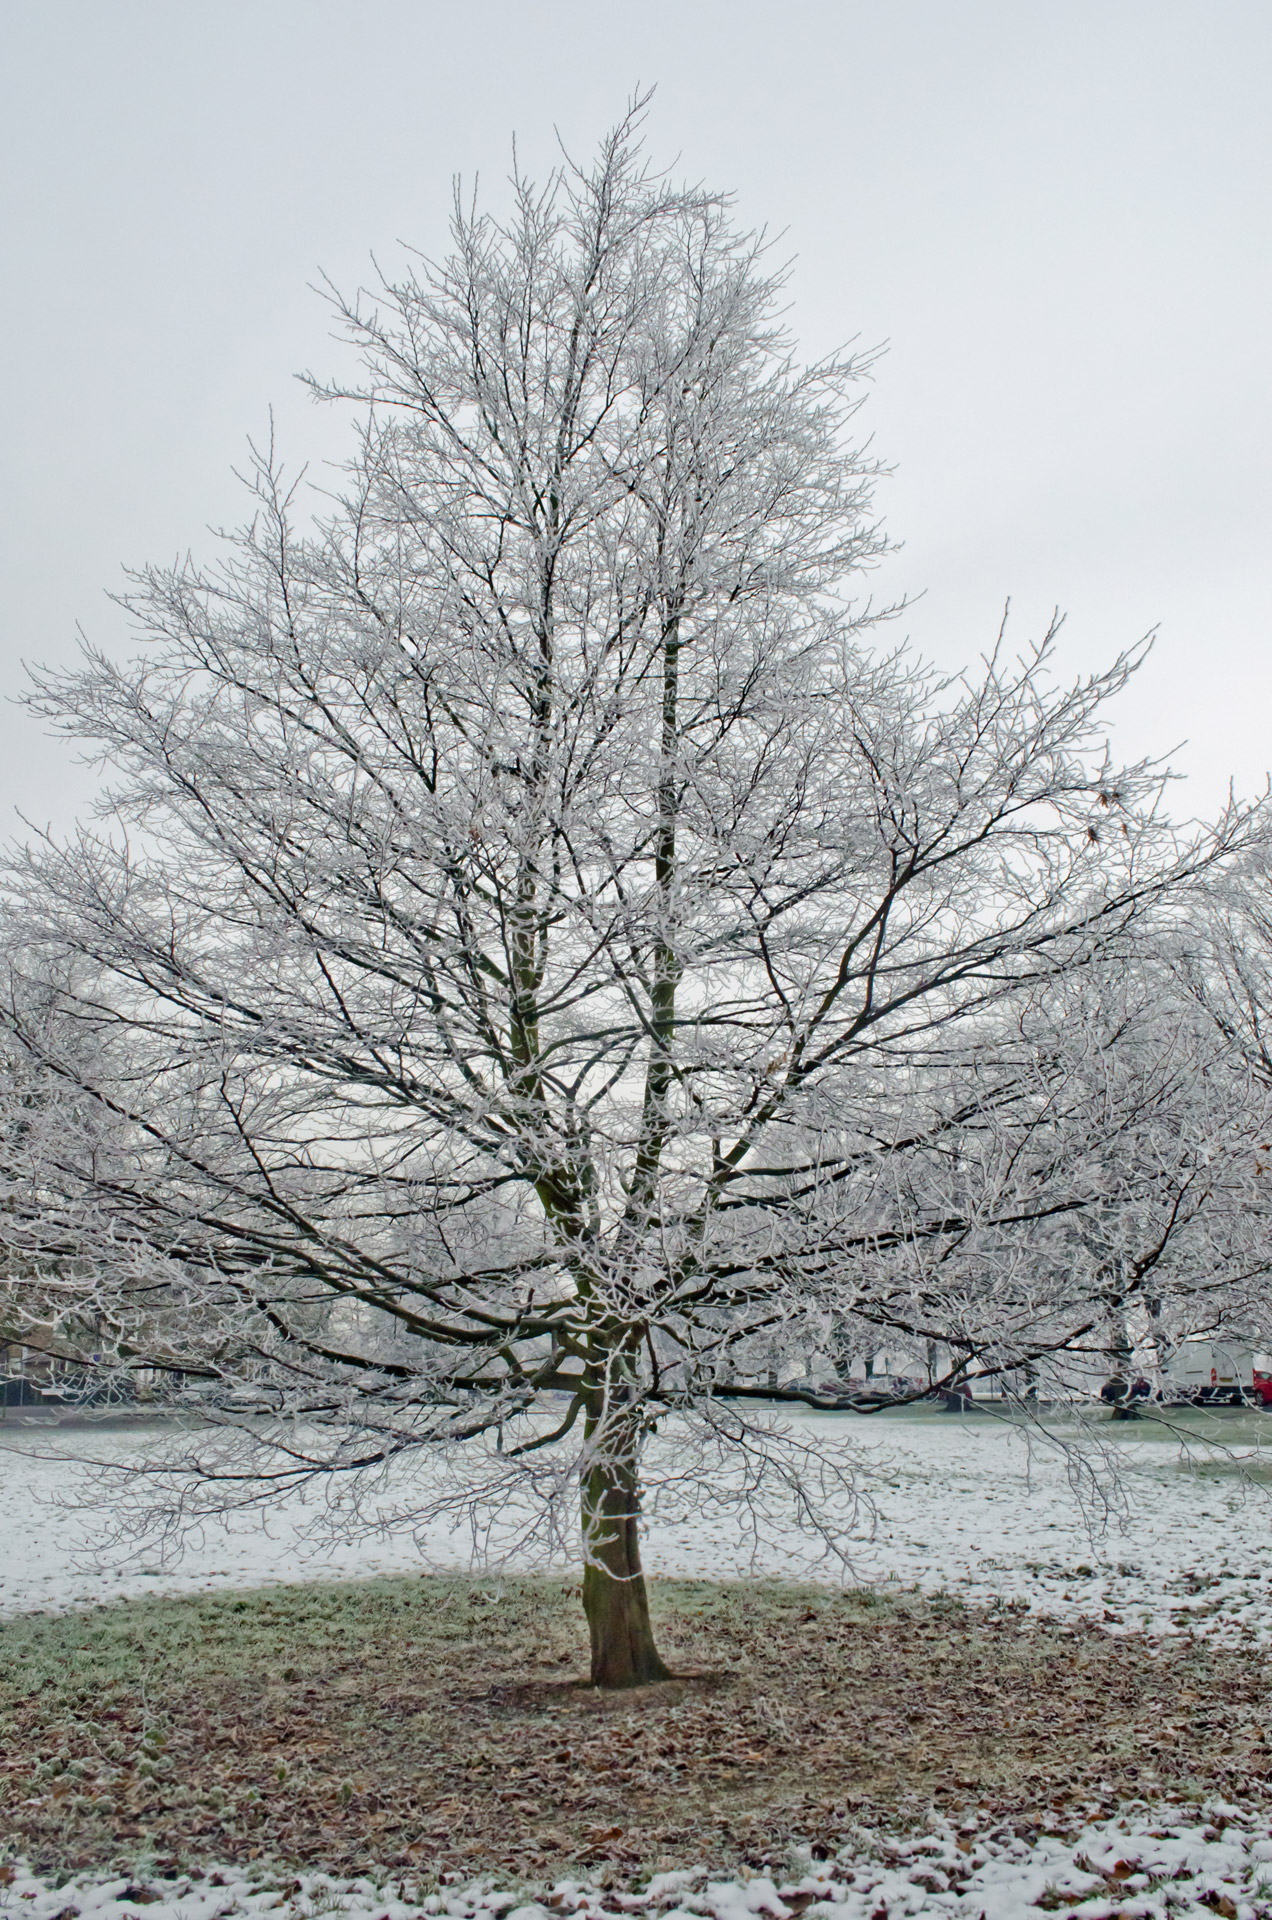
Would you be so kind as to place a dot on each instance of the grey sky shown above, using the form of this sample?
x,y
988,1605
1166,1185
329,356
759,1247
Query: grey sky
x,y
1057,214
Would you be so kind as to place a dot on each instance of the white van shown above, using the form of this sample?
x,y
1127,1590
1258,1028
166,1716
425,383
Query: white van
x,y
1213,1370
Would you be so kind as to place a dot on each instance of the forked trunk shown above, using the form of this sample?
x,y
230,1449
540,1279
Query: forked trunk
x,y
614,1596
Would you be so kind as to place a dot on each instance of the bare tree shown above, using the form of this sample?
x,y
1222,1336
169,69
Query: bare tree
x,y
532,947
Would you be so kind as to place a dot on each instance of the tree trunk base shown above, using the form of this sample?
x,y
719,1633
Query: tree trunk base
x,y
623,1650
614,1596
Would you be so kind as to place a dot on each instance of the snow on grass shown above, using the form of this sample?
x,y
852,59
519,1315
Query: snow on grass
x,y
963,1503
1152,1863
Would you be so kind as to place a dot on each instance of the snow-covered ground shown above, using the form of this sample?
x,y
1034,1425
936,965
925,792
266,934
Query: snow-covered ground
x,y
1153,1865
965,1503
968,1504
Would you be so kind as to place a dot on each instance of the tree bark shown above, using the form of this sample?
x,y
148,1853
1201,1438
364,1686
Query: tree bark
x,y
614,1596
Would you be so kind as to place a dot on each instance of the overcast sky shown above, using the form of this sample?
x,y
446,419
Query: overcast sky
x,y
1058,216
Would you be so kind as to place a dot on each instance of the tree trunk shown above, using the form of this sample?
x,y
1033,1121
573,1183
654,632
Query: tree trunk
x,y
614,1596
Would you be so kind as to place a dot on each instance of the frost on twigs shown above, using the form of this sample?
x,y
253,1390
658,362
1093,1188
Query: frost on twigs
x,y
752,1477
537,972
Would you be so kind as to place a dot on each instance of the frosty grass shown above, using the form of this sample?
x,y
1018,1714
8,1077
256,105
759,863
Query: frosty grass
x,y
1137,1866
962,1506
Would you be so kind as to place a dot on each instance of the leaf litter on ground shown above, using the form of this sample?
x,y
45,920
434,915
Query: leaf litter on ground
x,y
436,1726
1150,1863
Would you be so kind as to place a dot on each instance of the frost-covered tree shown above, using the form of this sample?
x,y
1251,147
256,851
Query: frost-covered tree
x,y
1111,1136
532,950
1225,962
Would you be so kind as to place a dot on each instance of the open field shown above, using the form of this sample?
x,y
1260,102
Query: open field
x,y
965,1504
997,1706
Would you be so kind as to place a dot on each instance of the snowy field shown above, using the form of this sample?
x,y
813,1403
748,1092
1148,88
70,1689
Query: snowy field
x,y
1150,1868
968,1503
964,1503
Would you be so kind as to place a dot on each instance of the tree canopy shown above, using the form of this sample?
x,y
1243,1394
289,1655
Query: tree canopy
x,y
537,958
